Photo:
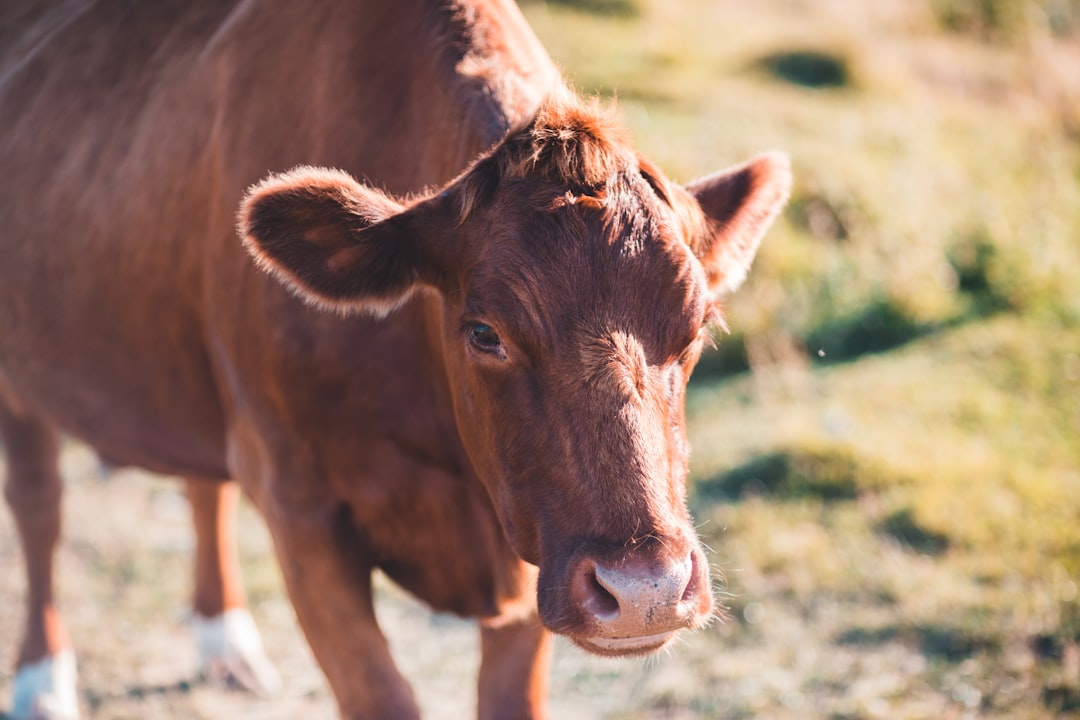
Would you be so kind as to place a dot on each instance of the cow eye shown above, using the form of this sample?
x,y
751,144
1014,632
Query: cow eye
x,y
485,339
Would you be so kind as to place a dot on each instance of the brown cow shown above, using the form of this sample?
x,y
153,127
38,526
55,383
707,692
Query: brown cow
x,y
459,386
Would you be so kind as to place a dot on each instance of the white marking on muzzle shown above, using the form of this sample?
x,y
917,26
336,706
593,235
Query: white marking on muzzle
x,y
631,643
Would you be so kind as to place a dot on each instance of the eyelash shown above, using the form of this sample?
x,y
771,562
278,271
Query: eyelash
x,y
483,338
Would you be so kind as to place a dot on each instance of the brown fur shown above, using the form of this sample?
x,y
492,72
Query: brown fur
x,y
538,480
572,144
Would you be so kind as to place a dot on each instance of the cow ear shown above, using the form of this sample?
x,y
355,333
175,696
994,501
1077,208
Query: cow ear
x,y
335,242
739,205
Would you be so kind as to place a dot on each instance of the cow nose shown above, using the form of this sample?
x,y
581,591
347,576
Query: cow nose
x,y
633,602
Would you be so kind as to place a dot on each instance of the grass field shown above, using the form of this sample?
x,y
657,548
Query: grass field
x,y
886,446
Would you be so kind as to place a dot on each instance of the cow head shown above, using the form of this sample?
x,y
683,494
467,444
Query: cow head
x,y
577,286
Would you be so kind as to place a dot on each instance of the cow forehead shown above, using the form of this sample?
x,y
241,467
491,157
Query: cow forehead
x,y
575,228
579,271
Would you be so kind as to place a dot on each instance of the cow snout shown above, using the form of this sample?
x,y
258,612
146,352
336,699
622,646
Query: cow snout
x,y
636,606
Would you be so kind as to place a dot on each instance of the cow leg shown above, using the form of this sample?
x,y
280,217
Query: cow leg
x,y
230,649
44,685
327,570
514,670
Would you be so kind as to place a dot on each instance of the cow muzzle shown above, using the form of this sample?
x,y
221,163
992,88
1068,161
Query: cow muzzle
x,y
635,605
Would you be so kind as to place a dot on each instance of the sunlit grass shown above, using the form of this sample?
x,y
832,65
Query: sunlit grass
x,y
961,449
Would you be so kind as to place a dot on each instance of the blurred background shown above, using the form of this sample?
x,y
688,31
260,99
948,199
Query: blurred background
x,y
886,444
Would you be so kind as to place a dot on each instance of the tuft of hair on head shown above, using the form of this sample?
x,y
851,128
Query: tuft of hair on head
x,y
571,141
578,144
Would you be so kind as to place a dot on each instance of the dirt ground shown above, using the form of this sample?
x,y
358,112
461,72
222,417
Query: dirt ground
x,y
123,577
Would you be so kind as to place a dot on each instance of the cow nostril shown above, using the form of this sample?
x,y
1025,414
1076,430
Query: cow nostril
x,y
599,602
692,582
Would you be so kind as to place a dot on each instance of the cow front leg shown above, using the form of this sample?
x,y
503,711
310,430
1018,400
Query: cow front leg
x,y
229,646
515,660
44,685
327,564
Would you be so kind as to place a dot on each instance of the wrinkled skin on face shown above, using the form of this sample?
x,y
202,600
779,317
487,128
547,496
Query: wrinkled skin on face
x,y
575,287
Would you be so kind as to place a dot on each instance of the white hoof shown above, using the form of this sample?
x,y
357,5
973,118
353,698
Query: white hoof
x,y
231,652
46,689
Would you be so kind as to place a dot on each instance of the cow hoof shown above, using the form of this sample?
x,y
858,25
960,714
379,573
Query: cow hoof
x,y
231,653
46,689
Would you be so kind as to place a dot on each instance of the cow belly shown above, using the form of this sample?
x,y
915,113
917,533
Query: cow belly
x,y
112,353
160,444
159,414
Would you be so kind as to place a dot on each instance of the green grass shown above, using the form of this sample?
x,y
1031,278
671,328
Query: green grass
x,y
887,448
1007,20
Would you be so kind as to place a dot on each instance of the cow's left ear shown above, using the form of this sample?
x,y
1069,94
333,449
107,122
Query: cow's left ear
x,y
739,205
337,243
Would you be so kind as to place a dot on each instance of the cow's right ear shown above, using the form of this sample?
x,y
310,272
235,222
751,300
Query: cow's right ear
x,y
335,242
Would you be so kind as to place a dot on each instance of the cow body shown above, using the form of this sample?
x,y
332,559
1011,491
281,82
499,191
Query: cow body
x,y
391,431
